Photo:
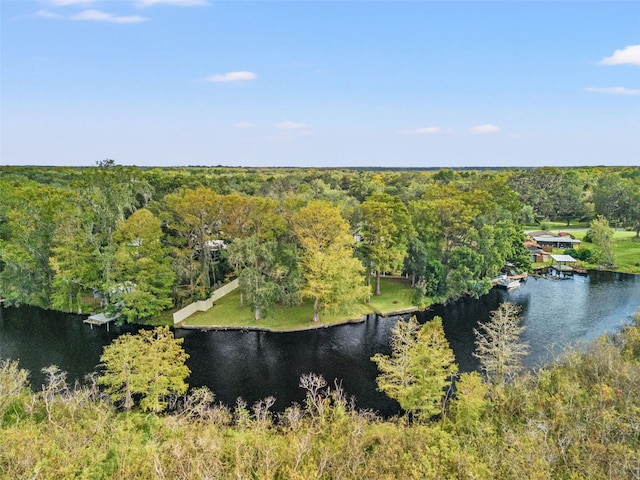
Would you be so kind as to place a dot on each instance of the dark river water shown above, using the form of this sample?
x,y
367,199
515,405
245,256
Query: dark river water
x,y
254,365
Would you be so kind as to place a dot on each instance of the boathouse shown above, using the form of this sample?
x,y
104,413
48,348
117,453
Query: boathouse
x,y
100,319
561,267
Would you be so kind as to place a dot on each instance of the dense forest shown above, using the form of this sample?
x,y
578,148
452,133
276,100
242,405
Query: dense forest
x,y
142,241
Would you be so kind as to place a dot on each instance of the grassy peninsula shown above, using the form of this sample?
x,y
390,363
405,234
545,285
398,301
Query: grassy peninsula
x,y
227,313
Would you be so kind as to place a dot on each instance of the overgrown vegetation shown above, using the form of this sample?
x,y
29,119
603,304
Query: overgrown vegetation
x,y
575,418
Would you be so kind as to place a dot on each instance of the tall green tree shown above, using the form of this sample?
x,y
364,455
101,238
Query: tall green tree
x,y
195,216
75,263
633,214
386,232
470,402
243,216
148,366
443,220
415,264
365,184
552,192
141,261
31,215
421,366
502,202
85,253
617,198
259,272
464,274
332,275
469,235
600,234
109,193
499,244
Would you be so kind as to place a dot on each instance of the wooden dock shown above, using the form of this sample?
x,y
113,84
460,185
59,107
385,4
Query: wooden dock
x,y
100,319
509,281
520,276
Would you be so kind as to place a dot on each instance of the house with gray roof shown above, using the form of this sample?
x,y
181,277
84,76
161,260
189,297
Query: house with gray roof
x,y
555,241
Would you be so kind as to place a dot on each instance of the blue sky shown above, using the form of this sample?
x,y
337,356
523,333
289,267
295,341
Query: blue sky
x,y
320,83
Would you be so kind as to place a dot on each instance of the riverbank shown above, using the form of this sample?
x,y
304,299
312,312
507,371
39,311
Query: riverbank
x,y
259,328
396,299
626,252
226,314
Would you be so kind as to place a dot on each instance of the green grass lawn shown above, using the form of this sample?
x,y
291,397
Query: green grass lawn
x,y
626,250
556,226
396,295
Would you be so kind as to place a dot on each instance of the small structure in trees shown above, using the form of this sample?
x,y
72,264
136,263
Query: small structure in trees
x,y
100,319
536,251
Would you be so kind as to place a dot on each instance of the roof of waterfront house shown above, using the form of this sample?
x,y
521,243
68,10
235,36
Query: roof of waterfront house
x,y
555,239
563,258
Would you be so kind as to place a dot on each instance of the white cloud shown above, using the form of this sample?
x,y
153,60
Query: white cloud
x,y
291,126
47,14
290,131
613,90
66,3
425,131
486,128
100,16
232,77
244,124
180,3
628,55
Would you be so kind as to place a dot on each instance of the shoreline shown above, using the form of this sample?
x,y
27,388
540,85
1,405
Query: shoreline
x,y
257,328
310,326
362,319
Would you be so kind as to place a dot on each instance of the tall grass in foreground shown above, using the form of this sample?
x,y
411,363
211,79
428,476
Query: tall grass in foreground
x,y
576,418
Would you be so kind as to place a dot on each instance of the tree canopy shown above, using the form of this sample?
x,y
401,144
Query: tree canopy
x,y
332,275
498,344
421,366
146,367
66,239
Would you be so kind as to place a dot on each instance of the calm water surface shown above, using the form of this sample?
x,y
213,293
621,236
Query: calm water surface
x,y
254,365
